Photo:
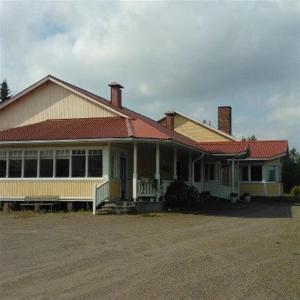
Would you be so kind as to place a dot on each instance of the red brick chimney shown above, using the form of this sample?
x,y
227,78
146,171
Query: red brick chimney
x,y
116,94
170,119
224,119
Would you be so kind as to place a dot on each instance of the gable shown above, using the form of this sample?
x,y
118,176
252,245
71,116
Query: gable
x,y
196,131
50,101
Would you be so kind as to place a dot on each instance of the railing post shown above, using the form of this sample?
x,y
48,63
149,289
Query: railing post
x,y
135,175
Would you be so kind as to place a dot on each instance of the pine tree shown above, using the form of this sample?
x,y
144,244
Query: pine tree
x,y
5,92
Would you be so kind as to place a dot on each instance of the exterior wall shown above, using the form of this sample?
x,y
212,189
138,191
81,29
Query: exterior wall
x,y
74,189
261,189
195,131
49,101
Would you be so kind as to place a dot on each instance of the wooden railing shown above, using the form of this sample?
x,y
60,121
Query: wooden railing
x,y
101,194
146,188
217,190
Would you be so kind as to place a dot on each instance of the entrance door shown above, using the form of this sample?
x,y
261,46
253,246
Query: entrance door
x,y
123,177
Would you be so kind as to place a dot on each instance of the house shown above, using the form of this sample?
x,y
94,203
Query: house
x,y
58,141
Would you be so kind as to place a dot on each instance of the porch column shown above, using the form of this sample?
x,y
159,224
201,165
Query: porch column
x,y
190,168
135,175
175,164
157,171
232,175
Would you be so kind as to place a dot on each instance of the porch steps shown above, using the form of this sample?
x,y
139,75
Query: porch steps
x,y
117,207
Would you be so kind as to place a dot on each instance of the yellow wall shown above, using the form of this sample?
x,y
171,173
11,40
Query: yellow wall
x,y
49,101
257,189
63,188
196,131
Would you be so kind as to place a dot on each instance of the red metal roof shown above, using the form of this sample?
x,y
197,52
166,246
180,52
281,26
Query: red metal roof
x,y
256,149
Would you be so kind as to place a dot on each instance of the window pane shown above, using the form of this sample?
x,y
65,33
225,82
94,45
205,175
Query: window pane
x,y
95,163
78,163
2,168
244,173
256,173
271,173
62,168
46,167
197,171
211,172
15,168
30,168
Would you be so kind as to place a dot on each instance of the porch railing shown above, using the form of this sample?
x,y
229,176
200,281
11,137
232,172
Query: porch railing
x,y
101,194
146,189
217,190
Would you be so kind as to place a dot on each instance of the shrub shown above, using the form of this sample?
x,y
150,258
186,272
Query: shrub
x,y
296,190
180,196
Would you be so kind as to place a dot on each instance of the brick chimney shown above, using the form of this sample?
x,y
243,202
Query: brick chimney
x,y
170,119
115,94
224,119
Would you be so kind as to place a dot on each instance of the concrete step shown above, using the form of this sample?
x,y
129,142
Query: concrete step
x,y
117,207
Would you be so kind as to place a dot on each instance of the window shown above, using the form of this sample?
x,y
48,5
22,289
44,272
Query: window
x,y
244,174
15,164
30,164
62,163
197,171
46,164
256,173
78,163
271,172
206,171
95,163
2,164
211,172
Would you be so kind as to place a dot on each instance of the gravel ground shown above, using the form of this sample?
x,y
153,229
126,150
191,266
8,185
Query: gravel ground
x,y
241,253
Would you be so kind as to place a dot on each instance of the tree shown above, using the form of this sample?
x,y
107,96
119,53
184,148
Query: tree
x,y
291,170
5,92
249,138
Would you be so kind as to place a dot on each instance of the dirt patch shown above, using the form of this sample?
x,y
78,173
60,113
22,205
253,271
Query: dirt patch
x,y
238,253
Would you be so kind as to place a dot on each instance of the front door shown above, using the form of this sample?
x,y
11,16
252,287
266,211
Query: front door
x,y
123,177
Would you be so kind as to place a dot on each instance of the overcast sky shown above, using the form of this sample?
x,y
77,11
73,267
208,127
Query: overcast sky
x,y
187,56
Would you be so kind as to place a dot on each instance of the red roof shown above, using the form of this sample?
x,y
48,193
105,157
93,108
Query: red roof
x,y
256,149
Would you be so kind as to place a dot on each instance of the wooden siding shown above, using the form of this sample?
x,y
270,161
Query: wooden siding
x,y
258,189
196,131
115,189
50,101
63,188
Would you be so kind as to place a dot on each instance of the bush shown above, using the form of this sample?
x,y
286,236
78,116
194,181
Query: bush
x,y
295,191
180,196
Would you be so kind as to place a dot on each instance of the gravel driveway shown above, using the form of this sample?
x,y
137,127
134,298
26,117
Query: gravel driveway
x,y
239,253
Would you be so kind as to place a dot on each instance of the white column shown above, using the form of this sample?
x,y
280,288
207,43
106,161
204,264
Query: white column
x,y
190,168
157,171
7,164
106,162
175,164
38,163
135,175
232,176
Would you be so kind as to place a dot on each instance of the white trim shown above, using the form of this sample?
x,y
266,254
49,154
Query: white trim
x,y
135,175
205,126
60,199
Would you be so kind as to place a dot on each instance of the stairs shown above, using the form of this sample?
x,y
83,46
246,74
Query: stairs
x,y
117,207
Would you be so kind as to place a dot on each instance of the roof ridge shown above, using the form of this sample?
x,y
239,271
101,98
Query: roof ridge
x,y
86,118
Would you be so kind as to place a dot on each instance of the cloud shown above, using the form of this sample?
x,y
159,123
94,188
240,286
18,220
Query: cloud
x,y
189,56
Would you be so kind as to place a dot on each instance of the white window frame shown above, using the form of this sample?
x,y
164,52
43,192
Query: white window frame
x,y
263,175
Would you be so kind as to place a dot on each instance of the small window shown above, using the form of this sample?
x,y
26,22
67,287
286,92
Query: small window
x,y
2,164
78,163
62,163
256,173
244,175
15,164
46,164
95,164
30,164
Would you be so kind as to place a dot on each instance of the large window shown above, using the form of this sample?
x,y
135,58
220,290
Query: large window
x,y
46,164
3,164
271,172
30,164
78,163
95,163
62,165
244,173
15,164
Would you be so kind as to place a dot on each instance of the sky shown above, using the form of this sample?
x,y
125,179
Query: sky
x,y
188,56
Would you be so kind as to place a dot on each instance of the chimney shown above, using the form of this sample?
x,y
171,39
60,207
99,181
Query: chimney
x,y
170,119
224,119
115,94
